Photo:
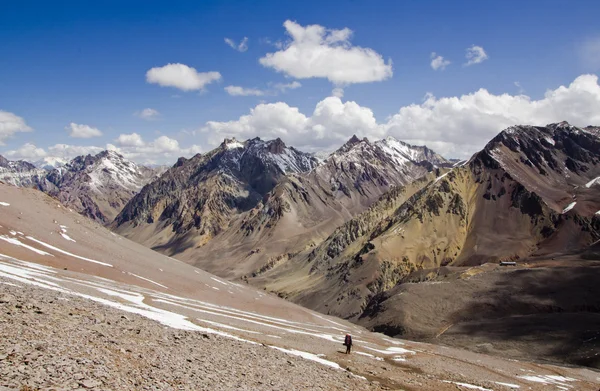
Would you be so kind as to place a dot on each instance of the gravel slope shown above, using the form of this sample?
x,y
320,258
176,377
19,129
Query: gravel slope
x,y
54,341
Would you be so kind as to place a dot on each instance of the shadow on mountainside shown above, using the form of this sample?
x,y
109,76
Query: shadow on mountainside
x,y
547,314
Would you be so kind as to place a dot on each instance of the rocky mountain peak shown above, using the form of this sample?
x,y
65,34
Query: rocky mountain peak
x,y
402,152
351,143
16,166
276,146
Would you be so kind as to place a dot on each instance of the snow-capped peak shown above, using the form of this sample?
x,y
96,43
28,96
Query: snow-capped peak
x,y
50,162
398,150
232,144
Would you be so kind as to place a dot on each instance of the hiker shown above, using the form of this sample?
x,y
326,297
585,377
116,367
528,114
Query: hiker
x,y
348,343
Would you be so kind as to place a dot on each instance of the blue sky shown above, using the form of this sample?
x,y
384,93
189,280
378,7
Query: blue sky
x,y
86,63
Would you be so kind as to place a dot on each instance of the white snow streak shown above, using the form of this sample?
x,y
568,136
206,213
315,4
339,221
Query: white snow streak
x,y
17,242
308,356
559,381
147,279
219,281
467,385
392,350
67,237
569,207
4,203
592,182
369,355
507,385
68,253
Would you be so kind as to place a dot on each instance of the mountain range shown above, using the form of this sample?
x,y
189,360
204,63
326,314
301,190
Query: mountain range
x,y
388,235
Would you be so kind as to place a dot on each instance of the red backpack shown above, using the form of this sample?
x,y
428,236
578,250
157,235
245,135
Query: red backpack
x,y
348,340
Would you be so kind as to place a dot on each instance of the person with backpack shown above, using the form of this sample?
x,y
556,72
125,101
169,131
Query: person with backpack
x,y
348,343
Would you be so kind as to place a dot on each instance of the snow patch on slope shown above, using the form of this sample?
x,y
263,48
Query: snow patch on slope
x,y
68,253
569,207
17,242
592,182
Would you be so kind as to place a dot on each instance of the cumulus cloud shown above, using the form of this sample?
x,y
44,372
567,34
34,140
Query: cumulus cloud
x,y
241,47
10,124
66,151
331,124
82,131
27,152
315,51
241,91
438,62
462,125
475,55
454,126
162,150
589,51
147,114
181,76
130,140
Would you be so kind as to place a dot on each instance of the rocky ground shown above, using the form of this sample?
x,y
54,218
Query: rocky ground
x,y
53,341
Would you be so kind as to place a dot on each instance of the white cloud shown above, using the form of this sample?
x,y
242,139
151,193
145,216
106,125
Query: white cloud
x,y
454,126
27,152
147,114
181,76
438,62
241,91
282,87
82,131
331,124
339,92
475,55
589,51
241,47
10,124
130,140
65,151
275,89
462,125
162,150
315,51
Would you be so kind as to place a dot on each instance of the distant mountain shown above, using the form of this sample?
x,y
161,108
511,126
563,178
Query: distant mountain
x,y
95,186
257,202
21,173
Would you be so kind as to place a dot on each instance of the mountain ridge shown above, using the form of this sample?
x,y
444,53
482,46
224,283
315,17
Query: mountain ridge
x,y
303,203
